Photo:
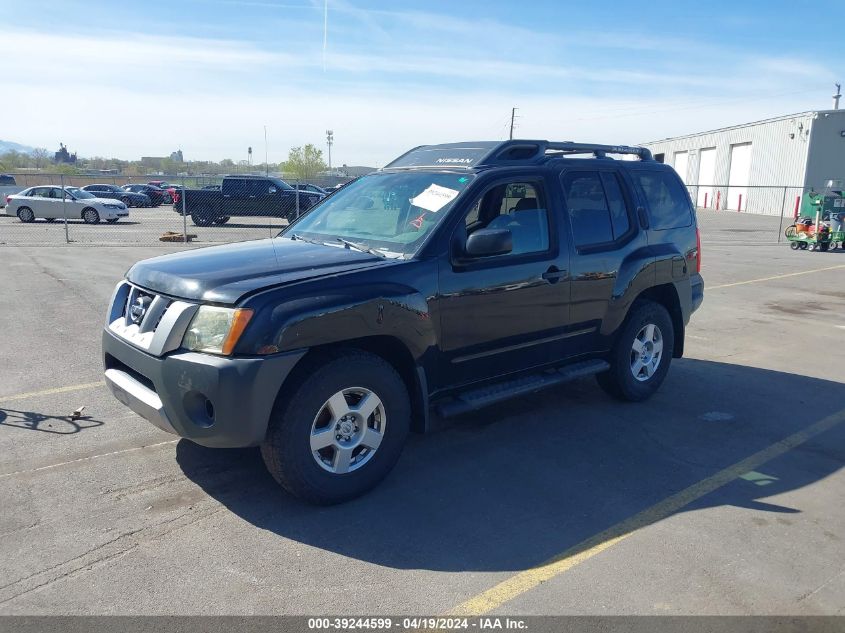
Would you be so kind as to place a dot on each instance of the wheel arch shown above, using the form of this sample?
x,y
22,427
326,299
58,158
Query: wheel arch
x,y
667,296
392,350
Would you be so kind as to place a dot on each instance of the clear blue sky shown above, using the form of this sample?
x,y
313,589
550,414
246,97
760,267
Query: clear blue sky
x,y
132,79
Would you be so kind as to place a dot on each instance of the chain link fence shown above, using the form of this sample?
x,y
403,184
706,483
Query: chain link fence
x,y
189,210
199,210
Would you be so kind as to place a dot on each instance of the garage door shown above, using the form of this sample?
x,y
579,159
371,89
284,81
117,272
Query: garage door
x,y
739,176
706,177
682,164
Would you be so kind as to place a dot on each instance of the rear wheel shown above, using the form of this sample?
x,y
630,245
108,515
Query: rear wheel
x,y
794,246
90,215
341,429
25,214
641,355
202,217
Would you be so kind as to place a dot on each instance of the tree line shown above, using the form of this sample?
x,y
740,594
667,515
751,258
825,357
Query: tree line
x,y
303,163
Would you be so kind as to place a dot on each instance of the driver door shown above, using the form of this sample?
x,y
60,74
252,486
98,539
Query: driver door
x,y
505,313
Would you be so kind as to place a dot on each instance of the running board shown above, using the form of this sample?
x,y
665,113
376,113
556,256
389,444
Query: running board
x,y
485,396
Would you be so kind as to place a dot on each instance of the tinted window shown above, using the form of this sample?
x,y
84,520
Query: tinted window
x,y
236,186
588,208
616,203
7,180
668,202
519,207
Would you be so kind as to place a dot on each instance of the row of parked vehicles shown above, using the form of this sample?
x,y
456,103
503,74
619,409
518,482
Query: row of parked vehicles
x,y
240,195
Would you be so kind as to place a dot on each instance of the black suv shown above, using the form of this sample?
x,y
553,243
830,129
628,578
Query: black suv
x,y
457,276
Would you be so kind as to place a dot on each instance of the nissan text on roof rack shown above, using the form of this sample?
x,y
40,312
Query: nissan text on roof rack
x,y
457,276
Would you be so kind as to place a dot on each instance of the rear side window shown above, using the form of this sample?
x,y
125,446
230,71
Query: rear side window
x,y
668,202
596,206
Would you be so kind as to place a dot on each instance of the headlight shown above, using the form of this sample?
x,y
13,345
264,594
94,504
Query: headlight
x,y
216,330
114,206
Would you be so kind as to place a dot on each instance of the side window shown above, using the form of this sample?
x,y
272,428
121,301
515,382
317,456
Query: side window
x,y
519,207
588,208
616,203
236,186
668,201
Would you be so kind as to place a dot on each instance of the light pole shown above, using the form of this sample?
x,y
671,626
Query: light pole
x,y
329,141
266,164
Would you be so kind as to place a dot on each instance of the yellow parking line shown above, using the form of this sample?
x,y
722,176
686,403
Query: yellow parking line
x,y
531,578
755,281
47,392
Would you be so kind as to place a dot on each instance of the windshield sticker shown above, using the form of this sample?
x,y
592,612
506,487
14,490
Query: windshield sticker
x,y
434,198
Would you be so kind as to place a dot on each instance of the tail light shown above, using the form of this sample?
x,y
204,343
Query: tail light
x,y
8,199
697,250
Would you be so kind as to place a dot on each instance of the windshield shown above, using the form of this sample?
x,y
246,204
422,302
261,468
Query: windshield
x,y
389,212
79,193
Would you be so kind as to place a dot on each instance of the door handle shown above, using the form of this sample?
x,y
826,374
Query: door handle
x,y
554,274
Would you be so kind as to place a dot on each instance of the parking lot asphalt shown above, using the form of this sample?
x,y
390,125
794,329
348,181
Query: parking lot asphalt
x,y
141,227
721,495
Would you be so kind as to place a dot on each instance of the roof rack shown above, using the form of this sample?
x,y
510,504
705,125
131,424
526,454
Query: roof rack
x,y
514,152
510,152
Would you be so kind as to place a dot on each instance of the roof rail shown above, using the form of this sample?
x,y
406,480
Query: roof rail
x,y
469,155
519,151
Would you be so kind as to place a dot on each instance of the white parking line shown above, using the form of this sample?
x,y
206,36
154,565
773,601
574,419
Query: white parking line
x,y
47,392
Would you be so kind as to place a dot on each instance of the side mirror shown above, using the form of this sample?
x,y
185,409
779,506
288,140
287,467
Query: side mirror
x,y
489,242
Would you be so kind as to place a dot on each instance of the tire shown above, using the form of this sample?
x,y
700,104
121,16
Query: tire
x,y
803,246
26,215
202,217
647,322
317,476
90,215
113,220
223,219
824,247
794,246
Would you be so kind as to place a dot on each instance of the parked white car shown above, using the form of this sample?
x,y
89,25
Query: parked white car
x,y
55,203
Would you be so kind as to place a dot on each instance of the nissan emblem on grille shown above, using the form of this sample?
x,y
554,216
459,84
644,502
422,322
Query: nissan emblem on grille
x,y
138,309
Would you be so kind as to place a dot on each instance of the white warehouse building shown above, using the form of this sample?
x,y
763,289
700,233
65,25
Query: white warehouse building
x,y
761,167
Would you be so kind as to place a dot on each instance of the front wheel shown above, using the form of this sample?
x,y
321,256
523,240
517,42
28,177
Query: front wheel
x,y
641,355
794,246
341,429
90,216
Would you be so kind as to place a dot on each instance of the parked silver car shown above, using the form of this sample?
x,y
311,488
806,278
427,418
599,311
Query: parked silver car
x,y
56,203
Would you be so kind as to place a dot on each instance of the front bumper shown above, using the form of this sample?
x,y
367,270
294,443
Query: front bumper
x,y
211,400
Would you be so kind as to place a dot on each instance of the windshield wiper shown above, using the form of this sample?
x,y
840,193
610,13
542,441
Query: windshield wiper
x,y
361,247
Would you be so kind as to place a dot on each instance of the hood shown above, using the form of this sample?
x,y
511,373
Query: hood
x,y
114,201
224,274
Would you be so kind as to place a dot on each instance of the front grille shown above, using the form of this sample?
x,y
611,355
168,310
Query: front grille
x,y
149,321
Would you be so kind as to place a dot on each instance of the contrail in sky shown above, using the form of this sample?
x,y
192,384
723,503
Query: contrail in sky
x,y
325,30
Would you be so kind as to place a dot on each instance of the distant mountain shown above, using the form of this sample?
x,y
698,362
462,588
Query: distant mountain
x,y
6,146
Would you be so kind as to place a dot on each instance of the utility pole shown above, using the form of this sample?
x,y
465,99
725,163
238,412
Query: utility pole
x,y
513,118
329,141
266,163
837,96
